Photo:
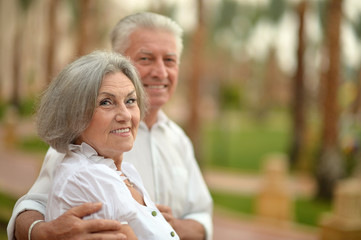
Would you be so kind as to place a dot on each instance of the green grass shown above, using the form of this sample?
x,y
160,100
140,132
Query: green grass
x,y
244,145
6,205
307,211
33,144
234,202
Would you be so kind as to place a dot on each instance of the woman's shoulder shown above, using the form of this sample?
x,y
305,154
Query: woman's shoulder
x,y
129,168
131,172
77,165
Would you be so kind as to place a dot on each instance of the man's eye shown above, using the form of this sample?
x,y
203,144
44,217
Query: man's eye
x,y
170,61
144,59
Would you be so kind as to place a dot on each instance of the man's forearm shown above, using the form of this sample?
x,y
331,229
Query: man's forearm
x,y
23,222
188,229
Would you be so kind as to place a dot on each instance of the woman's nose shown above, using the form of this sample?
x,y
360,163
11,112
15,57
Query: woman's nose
x,y
123,114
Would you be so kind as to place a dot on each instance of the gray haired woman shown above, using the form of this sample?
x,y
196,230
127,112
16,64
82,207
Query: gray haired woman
x,y
91,112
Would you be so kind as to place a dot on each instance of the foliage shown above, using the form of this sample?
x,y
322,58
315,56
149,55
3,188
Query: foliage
x,y
27,107
2,109
25,4
237,202
6,205
276,10
309,212
356,25
228,9
230,96
321,7
33,144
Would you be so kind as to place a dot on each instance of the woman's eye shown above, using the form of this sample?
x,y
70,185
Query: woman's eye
x,y
105,102
131,100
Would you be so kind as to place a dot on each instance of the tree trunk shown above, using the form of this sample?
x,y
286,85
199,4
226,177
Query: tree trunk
x,y
194,98
330,167
356,105
84,29
298,109
15,95
51,41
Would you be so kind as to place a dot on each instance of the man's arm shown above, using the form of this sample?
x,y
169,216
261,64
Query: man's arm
x,y
71,226
187,229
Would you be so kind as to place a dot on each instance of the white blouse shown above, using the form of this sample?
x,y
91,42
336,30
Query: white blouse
x,y
83,176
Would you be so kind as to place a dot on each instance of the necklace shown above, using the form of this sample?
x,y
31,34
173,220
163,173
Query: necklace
x,y
128,183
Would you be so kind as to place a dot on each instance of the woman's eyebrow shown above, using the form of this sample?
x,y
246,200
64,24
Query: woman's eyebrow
x,y
107,94
131,93
112,95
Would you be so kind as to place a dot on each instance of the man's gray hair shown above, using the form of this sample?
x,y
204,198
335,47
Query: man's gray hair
x,y
67,106
120,36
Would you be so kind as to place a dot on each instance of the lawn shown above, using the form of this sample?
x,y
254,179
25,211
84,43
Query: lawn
x,y
6,205
242,143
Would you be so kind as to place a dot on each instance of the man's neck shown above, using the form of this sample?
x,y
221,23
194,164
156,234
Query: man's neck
x,y
151,118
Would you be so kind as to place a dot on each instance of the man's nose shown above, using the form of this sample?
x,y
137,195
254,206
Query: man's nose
x,y
159,70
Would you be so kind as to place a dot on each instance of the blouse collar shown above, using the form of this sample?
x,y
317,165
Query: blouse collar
x,y
92,155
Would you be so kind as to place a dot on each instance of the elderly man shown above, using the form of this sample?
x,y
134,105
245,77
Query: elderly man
x,y
162,153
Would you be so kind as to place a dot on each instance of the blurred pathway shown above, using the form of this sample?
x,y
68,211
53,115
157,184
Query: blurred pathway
x,y
246,183
227,227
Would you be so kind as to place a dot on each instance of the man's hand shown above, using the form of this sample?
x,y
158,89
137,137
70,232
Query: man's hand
x,y
71,226
187,229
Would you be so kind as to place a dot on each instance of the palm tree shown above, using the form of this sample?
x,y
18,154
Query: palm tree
x,y
196,74
51,41
298,116
356,105
330,166
84,26
24,6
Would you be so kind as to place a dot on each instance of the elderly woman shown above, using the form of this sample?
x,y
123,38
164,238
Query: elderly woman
x,y
91,112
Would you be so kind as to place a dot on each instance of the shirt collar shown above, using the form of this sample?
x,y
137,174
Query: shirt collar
x,y
162,121
92,155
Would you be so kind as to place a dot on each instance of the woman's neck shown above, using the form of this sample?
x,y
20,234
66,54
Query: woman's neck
x,y
118,161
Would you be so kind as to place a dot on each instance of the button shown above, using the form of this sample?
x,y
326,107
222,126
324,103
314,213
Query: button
x,y
154,213
172,233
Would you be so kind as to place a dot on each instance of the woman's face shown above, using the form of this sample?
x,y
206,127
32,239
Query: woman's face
x,y
113,127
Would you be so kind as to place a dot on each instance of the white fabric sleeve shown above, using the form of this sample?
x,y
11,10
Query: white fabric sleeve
x,y
93,183
36,198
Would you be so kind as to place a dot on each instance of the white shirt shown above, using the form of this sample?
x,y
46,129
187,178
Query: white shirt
x,y
164,158
83,176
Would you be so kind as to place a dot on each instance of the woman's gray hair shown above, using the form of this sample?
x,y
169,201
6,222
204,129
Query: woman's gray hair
x,y
67,106
120,36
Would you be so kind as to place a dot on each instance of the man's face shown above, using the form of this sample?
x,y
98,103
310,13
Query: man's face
x,y
154,54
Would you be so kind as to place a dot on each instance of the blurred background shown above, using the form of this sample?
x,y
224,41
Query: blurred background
x,y
269,92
